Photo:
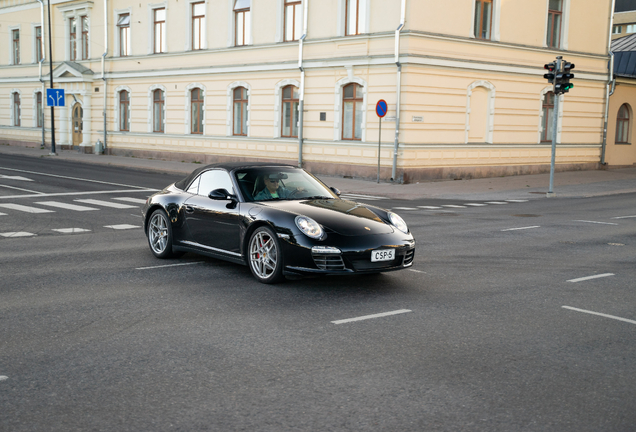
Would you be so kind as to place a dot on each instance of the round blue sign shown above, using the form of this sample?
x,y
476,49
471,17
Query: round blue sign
x,y
381,108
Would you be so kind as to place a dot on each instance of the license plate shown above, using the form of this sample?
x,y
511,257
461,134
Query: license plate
x,y
382,255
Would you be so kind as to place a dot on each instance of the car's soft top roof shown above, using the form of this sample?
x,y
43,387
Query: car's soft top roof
x,y
229,166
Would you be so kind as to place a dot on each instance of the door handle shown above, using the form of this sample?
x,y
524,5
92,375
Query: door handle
x,y
189,209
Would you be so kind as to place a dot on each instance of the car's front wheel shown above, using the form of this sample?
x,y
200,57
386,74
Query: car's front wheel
x,y
265,256
160,234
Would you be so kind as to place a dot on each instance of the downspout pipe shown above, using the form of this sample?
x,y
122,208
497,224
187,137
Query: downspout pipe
x,y
398,90
609,87
40,61
301,101
103,66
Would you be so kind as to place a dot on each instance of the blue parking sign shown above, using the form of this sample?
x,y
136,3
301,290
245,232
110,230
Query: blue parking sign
x,y
54,97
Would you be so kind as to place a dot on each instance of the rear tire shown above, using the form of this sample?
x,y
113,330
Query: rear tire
x,y
160,234
265,257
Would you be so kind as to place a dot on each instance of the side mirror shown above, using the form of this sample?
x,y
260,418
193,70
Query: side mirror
x,y
221,194
335,190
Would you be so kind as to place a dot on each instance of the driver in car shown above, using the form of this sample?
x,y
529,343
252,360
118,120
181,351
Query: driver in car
x,y
272,189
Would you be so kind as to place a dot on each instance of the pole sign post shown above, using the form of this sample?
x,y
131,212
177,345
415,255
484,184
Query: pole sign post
x,y
381,109
55,97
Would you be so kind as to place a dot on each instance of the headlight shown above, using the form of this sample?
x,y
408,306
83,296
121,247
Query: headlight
x,y
398,222
309,227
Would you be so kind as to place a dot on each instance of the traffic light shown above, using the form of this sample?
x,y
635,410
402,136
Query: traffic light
x,y
567,76
549,76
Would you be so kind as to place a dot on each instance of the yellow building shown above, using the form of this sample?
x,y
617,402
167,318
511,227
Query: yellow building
x,y
298,81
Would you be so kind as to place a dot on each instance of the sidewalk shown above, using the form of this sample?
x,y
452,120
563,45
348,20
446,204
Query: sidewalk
x,y
569,184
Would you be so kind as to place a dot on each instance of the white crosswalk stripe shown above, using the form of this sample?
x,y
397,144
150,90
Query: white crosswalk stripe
x,y
496,202
105,203
429,207
26,209
17,234
453,206
66,206
132,200
475,205
122,226
70,230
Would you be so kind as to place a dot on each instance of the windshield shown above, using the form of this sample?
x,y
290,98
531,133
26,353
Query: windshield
x,y
280,183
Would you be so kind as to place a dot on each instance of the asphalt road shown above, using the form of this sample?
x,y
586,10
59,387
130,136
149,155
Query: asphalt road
x,y
496,327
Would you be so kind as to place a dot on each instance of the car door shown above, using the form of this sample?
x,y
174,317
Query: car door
x,y
213,224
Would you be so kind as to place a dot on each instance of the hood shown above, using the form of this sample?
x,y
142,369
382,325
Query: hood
x,y
341,216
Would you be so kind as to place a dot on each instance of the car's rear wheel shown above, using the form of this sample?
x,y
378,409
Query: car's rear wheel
x,y
265,256
160,234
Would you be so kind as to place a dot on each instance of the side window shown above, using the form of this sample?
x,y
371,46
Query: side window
x,y
194,187
215,179
483,19
622,125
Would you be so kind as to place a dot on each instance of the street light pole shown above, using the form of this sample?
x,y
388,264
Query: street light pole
x,y
51,77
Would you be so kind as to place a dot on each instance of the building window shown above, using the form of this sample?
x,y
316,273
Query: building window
x,y
547,120
242,22
555,15
123,26
84,22
39,55
483,19
15,36
73,38
293,20
289,121
617,29
352,17
622,125
198,25
240,111
196,111
352,112
124,111
158,98
16,109
38,110
159,30
630,28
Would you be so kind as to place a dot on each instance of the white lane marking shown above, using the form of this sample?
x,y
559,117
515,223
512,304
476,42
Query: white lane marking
x,y
25,209
355,198
624,217
72,178
366,317
517,201
404,208
429,207
122,226
3,214
17,234
496,202
21,189
522,228
59,194
364,196
65,206
453,206
14,178
71,230
168,265
417,271
591,277
599,314
132,200
595,222
105,203
475,204
3,377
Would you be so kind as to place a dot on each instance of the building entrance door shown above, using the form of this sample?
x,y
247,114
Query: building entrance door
x,y
78,125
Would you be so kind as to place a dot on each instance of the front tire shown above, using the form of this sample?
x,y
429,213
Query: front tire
x,y
265,257
160,234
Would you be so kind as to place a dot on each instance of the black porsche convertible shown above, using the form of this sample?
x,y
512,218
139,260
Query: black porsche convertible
x,y
278,219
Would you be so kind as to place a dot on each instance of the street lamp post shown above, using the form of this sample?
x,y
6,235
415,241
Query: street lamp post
x,y
51,77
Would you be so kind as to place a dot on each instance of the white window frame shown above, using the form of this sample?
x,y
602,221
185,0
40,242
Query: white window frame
x,y
116,15
116,107
188,106
10,45
151,28
565,25
490,114
34,43
76,11
364,17
204,42
545,91
35,106
338,107
278,94
12,107
280,20
151,107
230,108
495,34
231,42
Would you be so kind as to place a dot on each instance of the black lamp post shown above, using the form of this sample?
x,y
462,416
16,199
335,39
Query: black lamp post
x,y
51,76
